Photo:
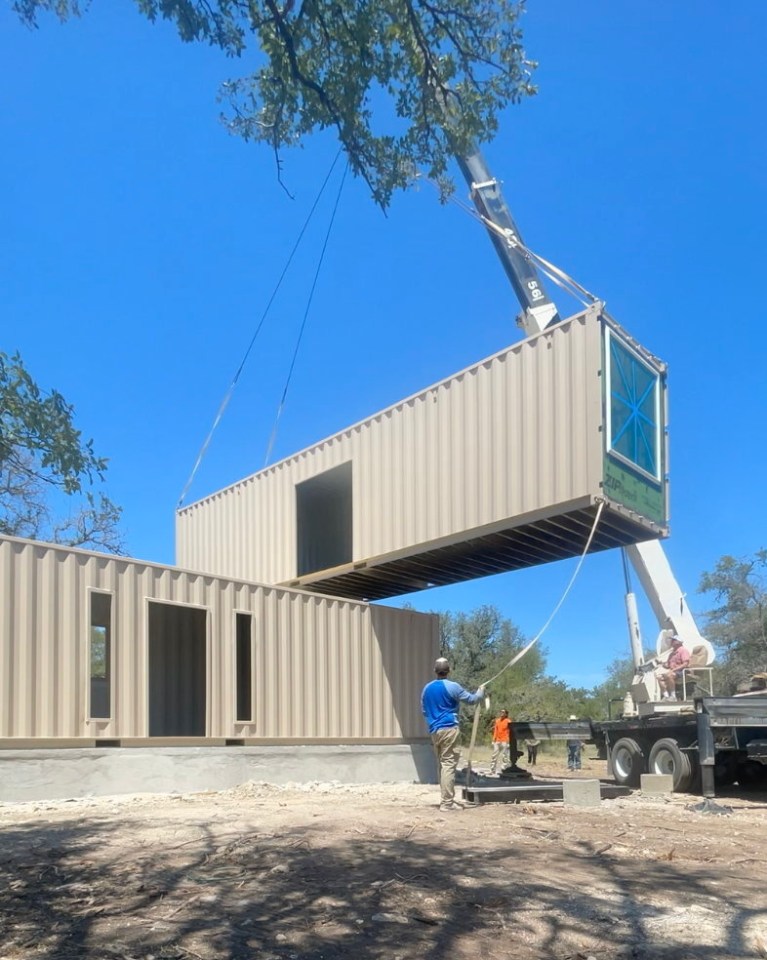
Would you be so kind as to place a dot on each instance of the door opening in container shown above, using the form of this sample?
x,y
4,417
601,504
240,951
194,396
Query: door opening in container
x,y
177,670
324,520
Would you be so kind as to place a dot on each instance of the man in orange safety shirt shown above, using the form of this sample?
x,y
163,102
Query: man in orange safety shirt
x,y
501,740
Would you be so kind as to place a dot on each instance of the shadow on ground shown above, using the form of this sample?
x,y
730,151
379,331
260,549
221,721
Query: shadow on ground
x,y
73,891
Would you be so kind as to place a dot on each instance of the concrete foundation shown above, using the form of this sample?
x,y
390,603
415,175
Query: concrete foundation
x,y
63,774
656,784
581,793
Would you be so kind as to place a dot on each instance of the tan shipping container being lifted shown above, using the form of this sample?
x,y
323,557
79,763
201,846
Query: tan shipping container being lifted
x,y
498,467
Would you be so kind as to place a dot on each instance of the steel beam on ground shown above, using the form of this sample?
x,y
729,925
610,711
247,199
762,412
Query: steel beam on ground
x,y
514,793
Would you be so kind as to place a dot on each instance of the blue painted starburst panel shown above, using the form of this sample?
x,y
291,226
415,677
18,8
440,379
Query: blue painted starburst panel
x,y
634,433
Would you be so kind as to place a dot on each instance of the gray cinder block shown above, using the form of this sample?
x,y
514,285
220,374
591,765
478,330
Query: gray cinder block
x,y
581,793
656,784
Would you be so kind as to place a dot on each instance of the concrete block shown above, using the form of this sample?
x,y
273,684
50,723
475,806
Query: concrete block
x,y
581,793
656,784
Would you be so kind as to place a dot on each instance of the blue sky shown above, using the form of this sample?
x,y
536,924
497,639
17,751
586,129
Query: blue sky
x,y
140,243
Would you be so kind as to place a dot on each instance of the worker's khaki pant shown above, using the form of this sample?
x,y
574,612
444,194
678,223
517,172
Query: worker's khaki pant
x,y
447,758
500,752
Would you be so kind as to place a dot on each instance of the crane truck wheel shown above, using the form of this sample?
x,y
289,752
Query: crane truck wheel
x,y
627,760
666,757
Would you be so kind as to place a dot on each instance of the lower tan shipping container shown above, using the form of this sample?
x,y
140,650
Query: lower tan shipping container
x,y
117,650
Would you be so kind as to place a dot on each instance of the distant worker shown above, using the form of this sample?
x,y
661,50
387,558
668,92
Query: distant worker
x,y
501,741
532,751
668,673
440,702
574,748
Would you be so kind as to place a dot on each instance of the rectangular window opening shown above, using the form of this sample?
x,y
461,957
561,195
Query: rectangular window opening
x,y
100,656
324,520
244,667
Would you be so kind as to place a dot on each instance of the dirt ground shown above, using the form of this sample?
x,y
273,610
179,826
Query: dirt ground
x,y
324,871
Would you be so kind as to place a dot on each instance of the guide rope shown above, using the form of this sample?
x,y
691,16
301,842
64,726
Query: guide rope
x,y
518,656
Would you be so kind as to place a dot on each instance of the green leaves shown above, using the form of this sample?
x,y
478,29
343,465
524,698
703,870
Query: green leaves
x,y
42,453
738,625
43,426
377,72
479,644
63,9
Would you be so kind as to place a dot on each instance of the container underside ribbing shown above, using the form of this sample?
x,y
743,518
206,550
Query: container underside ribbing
x,y
538,541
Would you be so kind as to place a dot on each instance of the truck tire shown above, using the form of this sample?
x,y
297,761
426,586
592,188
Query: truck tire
x,y
627,761
666,757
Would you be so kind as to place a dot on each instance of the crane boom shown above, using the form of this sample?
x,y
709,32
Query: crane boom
x,y
539,311
668,602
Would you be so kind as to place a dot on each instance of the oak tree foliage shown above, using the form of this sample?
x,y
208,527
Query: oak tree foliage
x,y
737,626
479,644
46,465
380,73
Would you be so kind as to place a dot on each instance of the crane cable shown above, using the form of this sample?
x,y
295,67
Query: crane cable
x,y
518,656
306,316
233,384
557,276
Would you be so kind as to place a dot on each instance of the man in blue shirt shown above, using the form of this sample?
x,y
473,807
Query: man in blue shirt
x,y
440,701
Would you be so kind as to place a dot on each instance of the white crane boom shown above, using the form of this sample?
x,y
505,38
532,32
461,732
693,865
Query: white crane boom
x,y
668,602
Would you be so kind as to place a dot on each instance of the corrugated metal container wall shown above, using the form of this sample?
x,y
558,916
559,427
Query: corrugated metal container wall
x,y
509,436
314,668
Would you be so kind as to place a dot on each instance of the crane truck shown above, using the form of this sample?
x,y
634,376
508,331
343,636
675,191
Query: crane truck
x,y
696,737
